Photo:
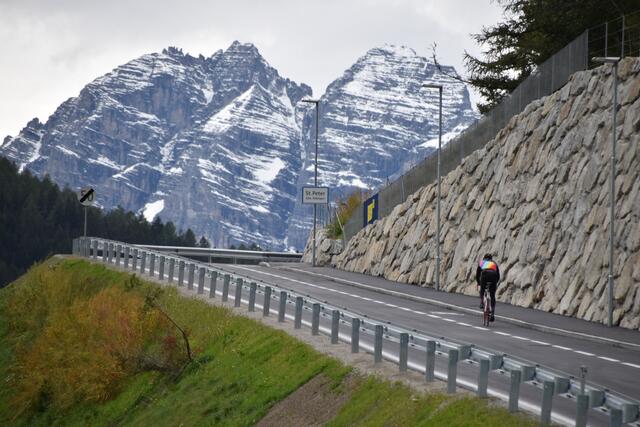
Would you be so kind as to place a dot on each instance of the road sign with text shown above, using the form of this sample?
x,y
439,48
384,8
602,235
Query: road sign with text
x,y
315,195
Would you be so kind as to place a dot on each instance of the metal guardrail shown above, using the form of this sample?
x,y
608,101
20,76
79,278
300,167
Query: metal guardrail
x,y
621,409
215,254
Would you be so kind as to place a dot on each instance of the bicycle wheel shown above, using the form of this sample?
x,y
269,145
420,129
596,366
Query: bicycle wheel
x,y
485,313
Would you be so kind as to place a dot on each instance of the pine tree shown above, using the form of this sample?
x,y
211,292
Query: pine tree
x,y
532,31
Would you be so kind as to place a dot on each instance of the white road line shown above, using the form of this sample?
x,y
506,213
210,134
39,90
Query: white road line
x,y
609,359
540,342
433,315
561,347
633,365
465,309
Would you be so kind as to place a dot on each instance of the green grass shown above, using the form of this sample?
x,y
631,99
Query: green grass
x,y
381,403
241,368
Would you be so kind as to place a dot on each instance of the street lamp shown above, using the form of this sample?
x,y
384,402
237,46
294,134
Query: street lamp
x,y
315,180
612,196
439,87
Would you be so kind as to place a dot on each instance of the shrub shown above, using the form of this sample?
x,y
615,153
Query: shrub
x,y
346,208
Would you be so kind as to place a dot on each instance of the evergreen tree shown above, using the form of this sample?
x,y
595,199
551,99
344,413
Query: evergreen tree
x,y
532,31
37,219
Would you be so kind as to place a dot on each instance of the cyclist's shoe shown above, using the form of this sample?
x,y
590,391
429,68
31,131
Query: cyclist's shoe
x,y
492,318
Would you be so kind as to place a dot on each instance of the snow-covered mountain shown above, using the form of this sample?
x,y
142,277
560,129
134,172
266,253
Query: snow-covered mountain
x,y
222,144
376,120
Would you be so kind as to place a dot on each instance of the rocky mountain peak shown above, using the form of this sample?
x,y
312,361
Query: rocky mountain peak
x,y
220,144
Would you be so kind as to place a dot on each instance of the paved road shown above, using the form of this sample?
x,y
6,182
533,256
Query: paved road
x,y
561,343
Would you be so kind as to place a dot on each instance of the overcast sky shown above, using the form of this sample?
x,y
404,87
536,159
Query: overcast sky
x,y
50,49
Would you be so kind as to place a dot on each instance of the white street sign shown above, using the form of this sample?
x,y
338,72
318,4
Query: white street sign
x,y
315,195
86,196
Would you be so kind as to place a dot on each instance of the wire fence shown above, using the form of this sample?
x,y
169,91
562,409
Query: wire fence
x,y
620,37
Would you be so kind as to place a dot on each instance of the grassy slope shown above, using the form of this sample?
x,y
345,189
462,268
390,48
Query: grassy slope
x,y
242,368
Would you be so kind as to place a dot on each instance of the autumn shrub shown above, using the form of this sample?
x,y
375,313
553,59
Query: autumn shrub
x,y
85,339
346,207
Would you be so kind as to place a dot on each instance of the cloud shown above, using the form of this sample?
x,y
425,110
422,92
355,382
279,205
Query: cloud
x,y
51,49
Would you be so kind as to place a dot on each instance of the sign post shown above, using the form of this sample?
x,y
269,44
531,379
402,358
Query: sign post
x,y
86,196
315,196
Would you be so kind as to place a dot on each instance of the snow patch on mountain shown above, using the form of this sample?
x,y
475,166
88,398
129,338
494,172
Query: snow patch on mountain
x,y
152,209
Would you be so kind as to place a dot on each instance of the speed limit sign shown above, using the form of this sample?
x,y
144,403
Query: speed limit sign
x,y
86,196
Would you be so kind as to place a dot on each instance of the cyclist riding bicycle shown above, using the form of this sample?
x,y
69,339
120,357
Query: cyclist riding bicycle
x,y
487,278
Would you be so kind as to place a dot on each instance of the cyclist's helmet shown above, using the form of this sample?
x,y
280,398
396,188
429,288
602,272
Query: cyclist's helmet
x,y
487,256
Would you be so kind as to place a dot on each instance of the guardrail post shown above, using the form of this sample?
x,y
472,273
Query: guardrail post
x,y
201,272
615,417
134,260
172,268
95,249
452,371
297,320
315,319
430,364
528,373
238,297
110,253
266,305
191,273
377,344
127,254
282,306
562,385
152,264
582,408
629,412
483,378
596,398
161,263
213,283
143,261
105,252
514,390
225,287
404,351
355,335
118,251
335,326
547,402
181,273
495,361
252,296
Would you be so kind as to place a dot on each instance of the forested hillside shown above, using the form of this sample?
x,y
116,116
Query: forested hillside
x,y
38,219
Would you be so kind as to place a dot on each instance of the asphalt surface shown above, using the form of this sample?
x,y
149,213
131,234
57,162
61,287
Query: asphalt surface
x,y
611,355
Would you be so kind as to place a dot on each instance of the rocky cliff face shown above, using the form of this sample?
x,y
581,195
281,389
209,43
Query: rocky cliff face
x,y
536,197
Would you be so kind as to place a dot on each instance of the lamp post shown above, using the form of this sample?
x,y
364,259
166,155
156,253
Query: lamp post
x,y
612,196
315,180
439,87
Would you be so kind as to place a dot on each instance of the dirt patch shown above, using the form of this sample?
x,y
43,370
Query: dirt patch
x,y
313,404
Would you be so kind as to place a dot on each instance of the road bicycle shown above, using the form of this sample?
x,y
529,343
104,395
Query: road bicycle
x,y
486,308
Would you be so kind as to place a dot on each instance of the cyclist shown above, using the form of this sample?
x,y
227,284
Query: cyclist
x,y
487,278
